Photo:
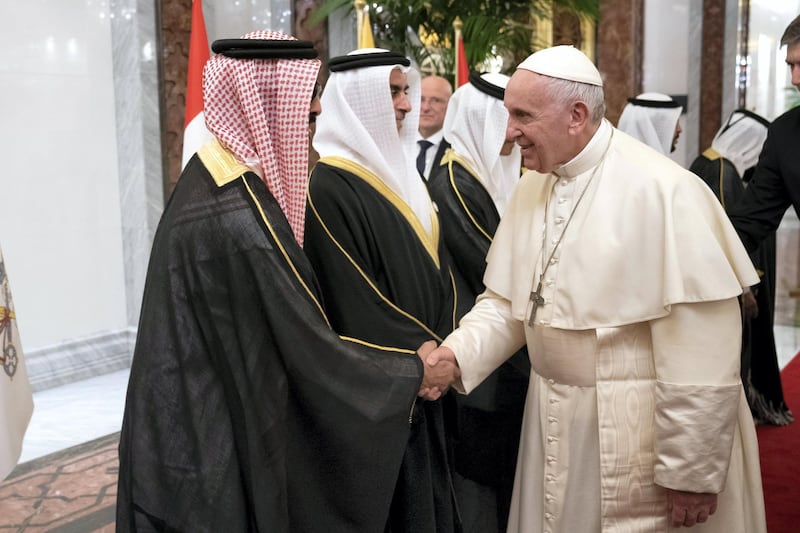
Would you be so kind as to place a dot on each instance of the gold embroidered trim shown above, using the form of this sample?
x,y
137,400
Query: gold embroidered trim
x,y
455,297
377,346
284,252
429,241
221,164
711,154
449,158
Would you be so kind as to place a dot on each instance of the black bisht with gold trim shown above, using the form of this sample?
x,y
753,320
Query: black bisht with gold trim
x,y
245,411
386,281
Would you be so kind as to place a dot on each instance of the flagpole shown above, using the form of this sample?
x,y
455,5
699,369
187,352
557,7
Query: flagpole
x,y
360,5
364,30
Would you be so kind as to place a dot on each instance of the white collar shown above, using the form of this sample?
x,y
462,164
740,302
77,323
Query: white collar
x,y
436,138
591,154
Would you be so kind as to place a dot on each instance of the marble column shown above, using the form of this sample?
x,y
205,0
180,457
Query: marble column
x,y
711,70
134,46
729,66
619,52
175,28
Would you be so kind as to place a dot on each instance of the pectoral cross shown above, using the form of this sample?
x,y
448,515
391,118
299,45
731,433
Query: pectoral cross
x,y
537,300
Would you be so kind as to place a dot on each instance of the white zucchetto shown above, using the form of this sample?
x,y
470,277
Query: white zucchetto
x,y
564,62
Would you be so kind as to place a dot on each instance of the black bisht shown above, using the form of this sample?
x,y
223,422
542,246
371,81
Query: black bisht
x,y
245,411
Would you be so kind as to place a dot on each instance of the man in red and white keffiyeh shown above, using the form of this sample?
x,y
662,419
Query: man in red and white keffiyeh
x,y
259,110
245,410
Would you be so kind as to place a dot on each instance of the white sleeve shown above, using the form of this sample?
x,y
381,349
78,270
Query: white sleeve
x,y
486,337
698,386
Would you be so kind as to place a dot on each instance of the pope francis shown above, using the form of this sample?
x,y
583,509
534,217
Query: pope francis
x,y
621,273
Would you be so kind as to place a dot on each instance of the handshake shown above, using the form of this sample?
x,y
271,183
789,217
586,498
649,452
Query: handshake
x,y
441,370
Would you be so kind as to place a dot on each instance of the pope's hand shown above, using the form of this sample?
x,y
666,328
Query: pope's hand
x,y
690,508
441,370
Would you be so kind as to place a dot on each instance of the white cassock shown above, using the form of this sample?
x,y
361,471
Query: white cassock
x,y
635,379
16,400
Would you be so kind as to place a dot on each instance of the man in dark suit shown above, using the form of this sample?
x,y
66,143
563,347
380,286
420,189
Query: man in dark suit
x,y
436,92
776,183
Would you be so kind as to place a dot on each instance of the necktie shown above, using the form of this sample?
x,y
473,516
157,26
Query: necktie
x,y
423,148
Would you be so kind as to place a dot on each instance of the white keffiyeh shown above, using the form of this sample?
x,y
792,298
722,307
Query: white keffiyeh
x,y
475,126
358,123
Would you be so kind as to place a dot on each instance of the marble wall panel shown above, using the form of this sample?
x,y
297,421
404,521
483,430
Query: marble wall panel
x,y
60,219
691,137
79,358
134,48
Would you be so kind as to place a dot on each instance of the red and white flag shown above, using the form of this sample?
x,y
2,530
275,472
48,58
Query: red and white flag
x,y
195,133
16,399
461,67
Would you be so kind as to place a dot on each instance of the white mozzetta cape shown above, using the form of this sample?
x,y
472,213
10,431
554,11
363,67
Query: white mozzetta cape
x,y
648,234
635,361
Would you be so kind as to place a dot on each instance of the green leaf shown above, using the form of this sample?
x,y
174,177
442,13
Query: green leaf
x,y
491,28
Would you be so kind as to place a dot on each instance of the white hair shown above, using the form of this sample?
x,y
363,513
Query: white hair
x,y
567,92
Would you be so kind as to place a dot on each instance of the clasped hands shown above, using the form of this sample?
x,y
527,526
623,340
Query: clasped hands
x,y
441,370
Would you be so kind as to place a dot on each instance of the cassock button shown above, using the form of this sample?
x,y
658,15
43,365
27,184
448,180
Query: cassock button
x,y
549,517
550,478
549,497
549,282
553,260
561,201
543,322
551,381
550,459
552,419
559,220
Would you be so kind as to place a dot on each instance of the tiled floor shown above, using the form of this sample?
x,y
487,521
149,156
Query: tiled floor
x,y
71,491
79,412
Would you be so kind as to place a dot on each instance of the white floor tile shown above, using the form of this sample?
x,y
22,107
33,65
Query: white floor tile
x,y
72,414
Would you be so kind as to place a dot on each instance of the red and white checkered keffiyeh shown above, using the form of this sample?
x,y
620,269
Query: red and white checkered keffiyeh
x,y
259,110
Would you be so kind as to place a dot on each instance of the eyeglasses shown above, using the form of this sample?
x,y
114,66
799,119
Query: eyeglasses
x,y
433,101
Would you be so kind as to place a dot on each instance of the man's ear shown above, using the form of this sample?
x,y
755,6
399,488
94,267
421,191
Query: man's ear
x,y
579,117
